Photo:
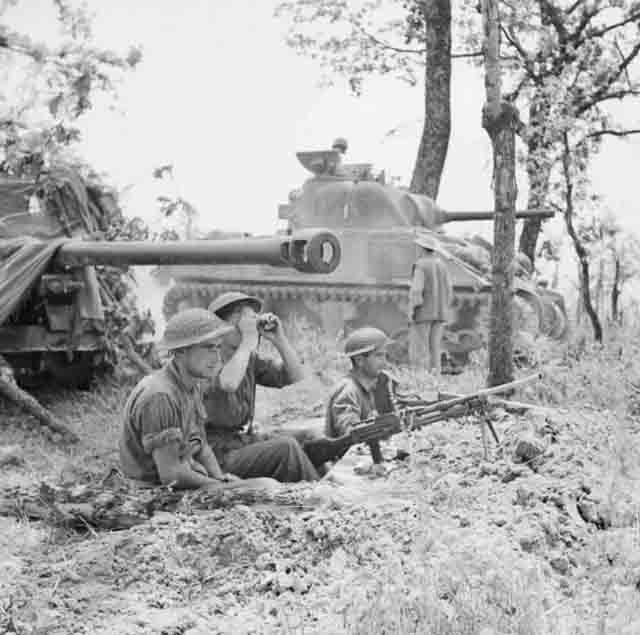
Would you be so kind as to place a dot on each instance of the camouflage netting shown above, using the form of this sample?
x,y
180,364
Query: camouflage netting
x,y
36,217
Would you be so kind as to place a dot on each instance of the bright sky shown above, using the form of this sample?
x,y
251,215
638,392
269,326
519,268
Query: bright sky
x,y
219,95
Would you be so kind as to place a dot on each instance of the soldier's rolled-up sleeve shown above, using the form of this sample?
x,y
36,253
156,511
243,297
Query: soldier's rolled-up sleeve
x,y
271,373
346,409
159,423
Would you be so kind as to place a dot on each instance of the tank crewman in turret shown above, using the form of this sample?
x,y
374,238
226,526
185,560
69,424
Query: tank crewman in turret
x,y
430,298
230,395
340,146
353,399
163,438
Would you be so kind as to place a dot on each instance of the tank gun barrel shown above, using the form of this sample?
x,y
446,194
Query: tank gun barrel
x,y
312,251
448,217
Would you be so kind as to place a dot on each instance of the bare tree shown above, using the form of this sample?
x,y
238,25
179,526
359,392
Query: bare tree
x,y
434,141
578,244
500,120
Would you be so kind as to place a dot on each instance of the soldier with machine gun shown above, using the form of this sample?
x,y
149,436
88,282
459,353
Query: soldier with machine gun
x,y
366,406
354,398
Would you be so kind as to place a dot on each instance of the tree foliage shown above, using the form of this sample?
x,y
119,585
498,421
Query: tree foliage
x,y
564,63
570,60
409,40
178,215
48,86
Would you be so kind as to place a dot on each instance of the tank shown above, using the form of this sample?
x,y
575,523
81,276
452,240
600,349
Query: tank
x,y
376,225
53,306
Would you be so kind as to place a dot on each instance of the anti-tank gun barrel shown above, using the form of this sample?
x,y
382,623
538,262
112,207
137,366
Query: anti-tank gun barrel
x,y
443,216
312,251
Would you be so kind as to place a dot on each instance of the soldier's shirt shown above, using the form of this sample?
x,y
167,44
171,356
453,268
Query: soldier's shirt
x,y
163,408
431,290
229,413
349,402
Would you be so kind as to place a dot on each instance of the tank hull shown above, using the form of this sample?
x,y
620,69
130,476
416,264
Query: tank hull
x,y
342,301
376,225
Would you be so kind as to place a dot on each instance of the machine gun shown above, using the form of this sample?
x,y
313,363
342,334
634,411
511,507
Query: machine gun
x,y
407,414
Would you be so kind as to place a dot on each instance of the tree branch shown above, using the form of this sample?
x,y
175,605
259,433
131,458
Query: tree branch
x,y
610,27
601,94
573,7
512,96
471,54
613,133
512,39
587,16
626,70
386,45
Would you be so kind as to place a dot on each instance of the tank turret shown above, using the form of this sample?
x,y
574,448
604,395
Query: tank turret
x,y
376,224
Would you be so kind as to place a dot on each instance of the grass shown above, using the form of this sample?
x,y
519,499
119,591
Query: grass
x,y
450,582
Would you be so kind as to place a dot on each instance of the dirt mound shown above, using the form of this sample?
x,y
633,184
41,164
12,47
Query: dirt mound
x,y
540,538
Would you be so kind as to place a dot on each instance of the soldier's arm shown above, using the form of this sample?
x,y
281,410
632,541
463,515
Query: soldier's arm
x,y
179,473
291,363
234,370
208,460
163,438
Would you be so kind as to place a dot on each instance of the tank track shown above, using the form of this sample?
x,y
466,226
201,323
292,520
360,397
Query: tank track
x,y
201,294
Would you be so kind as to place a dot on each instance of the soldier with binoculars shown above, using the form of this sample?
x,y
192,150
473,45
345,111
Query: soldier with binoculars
x,y
230,396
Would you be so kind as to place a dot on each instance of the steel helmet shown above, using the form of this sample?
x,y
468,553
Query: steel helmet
x,y
225,301
340,143
193,326
365,340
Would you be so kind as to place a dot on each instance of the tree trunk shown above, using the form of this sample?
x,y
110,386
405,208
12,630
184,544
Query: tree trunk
x,y
599,292
615,290
500,120
538,171
581,252
434,142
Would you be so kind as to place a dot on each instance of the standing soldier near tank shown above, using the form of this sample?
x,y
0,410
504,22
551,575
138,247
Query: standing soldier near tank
x,y
430,299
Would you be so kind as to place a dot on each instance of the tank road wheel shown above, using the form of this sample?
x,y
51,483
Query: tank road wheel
x,y
77,373
555,323
528,313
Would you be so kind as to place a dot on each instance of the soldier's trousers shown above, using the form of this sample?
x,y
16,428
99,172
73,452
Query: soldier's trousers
x,y
425,345
281,458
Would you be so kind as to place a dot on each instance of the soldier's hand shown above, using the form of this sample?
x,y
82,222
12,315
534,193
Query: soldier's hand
x,y
247,325
274,330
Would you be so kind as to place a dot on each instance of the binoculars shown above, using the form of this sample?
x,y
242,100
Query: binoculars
x,y
267,322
